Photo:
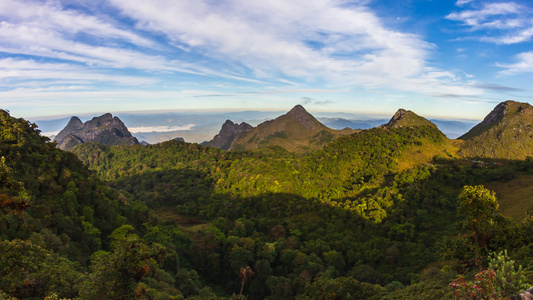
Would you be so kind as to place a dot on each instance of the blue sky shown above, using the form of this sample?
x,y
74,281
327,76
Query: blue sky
x,y
439,58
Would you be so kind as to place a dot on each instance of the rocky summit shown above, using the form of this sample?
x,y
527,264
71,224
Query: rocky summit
x,y
227,134
105,129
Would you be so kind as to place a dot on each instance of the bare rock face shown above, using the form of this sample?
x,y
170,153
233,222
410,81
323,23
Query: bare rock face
x,y
105,129
527,295
227,134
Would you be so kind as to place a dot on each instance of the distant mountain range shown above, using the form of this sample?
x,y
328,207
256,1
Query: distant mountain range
x,y
197,127
507,132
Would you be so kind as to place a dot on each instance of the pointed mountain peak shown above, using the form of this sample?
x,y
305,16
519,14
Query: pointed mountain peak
x,y
407,118
75,122
504,111
298,109
299,115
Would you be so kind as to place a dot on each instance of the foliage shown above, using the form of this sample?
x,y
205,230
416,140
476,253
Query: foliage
x,y
178,220
479,205
499,281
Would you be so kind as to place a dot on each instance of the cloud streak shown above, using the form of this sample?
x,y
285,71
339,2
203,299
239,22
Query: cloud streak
x,y
509,19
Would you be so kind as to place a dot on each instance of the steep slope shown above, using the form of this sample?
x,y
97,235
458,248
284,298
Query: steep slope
x,y
62,193
296,131
105,129
227,134
506,133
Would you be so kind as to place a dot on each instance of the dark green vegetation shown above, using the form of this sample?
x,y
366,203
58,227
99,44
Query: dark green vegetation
x,y
362,218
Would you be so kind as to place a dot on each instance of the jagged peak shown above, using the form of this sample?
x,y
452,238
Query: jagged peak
x,y
105,129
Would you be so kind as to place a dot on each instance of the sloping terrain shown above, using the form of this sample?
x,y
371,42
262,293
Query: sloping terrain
x,y
296,131
506,132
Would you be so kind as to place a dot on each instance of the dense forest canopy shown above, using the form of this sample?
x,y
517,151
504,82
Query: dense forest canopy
x,y
358,219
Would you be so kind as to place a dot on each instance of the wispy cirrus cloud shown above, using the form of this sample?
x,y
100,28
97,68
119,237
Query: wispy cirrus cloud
x,y
523,64
499,22
314,41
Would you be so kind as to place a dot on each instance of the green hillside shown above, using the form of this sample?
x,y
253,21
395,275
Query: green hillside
x,y
371,215
507,132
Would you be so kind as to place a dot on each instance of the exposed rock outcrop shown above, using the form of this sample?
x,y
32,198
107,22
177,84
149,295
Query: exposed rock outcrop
x,y
227,134
105,129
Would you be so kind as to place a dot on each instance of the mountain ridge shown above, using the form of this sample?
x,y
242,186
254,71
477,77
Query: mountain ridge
x,y
506,133
104,129
296,131
227,134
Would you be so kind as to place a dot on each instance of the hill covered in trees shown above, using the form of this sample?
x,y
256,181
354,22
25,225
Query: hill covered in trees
x,y
384,213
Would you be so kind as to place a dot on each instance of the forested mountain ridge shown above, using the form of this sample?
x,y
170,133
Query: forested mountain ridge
x,y
104,129
506,132
364,217
296,131
357,189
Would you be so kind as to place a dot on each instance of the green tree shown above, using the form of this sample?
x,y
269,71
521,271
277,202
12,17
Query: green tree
x,y
480,207
117,274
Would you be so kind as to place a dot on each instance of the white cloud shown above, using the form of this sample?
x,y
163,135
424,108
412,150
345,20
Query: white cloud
x,y
524,64
481,18
294,42
160,128
462,2
311,40
52,17
13,70
508,19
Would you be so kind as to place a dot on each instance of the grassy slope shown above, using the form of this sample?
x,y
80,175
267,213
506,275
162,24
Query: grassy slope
x,y
514,196
505,133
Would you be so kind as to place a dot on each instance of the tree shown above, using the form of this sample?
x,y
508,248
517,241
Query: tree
x,y
118,274
480,207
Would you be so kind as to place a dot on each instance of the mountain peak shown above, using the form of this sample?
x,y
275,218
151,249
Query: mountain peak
x,y
75,122
297,130
503,111
299,115
407,118
104,129
504,133
298,109
227,134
